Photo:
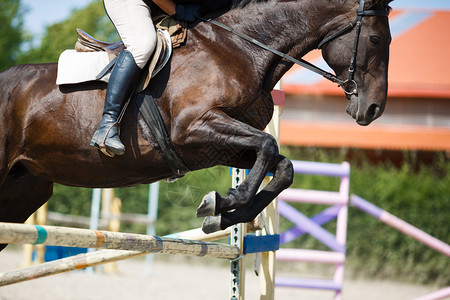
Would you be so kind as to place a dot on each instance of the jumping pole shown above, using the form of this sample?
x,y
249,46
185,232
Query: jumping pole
x,y
92,259
11,233
77,262
400,225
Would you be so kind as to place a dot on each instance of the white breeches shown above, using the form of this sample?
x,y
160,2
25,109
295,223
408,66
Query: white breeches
x,y
134,24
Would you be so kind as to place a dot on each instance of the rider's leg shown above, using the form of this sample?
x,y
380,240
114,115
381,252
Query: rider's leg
x,y
133,22
120,87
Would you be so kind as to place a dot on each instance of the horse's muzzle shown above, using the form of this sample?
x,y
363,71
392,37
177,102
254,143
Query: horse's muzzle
x,y
363,115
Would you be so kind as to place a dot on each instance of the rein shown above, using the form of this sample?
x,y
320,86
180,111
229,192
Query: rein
x,y
300,62
349,86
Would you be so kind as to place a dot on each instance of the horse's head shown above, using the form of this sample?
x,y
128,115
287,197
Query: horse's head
x,y
366,43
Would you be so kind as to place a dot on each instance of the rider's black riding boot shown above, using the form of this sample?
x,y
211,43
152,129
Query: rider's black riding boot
x,y
122,82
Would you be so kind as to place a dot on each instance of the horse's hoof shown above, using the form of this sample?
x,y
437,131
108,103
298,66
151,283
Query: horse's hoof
x,y
211,224
207,206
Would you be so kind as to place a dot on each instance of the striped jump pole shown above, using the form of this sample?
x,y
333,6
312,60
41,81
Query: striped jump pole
x,y
100,257
400,225
11,233
441,294
409,230
198,235
93,259
77,262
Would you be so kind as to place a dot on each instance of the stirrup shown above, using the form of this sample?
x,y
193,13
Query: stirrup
x,y
101,144
102,147
105,150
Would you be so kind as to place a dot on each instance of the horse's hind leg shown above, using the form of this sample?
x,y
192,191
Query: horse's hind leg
x,y
21,197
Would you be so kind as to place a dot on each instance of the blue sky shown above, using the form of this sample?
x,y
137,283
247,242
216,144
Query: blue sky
x,y
41,13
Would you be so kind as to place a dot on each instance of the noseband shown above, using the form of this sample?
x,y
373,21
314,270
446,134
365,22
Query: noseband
x,y
349,86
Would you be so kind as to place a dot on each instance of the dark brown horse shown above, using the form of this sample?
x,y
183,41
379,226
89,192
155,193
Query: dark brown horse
x,y
214,97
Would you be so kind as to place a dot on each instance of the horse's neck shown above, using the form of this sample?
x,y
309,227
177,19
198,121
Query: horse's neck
x,y
295,27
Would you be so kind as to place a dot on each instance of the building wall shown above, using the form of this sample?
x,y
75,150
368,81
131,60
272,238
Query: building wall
x,y
407,124
398,111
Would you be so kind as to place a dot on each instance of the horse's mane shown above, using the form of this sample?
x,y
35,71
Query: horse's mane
x,y
242,3
217,5
220,3
384,4
380,4
211,6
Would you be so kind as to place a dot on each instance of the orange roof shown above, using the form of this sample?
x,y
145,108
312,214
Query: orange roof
x,y
419,59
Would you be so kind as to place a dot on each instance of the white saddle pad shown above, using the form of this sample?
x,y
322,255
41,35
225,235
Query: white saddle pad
x,y
76,67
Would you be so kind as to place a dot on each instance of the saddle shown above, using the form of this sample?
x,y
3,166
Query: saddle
x,y
170,34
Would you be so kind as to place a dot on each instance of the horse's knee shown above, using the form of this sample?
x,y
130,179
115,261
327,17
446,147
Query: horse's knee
x,y
269,149
269,155
285,173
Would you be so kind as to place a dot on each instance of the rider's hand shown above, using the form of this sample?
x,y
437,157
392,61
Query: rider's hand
x,y
187,12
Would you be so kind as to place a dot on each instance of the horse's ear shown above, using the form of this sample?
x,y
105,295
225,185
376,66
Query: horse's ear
x,y
377,4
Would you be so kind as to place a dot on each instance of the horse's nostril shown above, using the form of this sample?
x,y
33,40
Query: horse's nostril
x,y
373,111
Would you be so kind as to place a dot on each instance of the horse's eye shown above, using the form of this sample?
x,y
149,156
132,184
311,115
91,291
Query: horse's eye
x,y
374,39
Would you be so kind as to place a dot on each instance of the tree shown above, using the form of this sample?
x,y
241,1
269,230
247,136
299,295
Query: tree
x,y
61,36
11,32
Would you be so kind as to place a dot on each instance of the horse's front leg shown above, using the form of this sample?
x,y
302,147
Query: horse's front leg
x,y
243,146
266,157
282,179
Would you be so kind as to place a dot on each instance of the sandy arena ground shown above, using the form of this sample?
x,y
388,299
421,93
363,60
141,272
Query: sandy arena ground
x,y
178,278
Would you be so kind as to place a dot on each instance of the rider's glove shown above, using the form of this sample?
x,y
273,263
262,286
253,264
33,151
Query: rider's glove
x,y
186,12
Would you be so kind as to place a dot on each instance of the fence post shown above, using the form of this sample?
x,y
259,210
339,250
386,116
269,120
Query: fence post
x,y
237,239
267,263
152,208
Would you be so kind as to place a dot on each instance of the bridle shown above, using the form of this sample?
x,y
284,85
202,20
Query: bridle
x,y
349,86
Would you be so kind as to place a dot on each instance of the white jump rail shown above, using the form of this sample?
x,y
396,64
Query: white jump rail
x,y
11,233
92,259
